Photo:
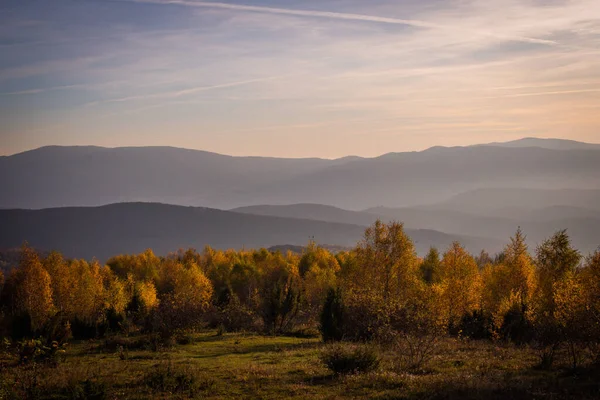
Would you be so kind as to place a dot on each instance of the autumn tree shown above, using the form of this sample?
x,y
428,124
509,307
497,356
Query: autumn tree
x,y
508,289
318,268
379,278
577,301
556,262
64,282
430,264
185,294
34,290
143,267
388,263
459,284
282,296
590,282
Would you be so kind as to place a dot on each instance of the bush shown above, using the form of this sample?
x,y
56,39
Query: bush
x,y
344,358
115,321
516,327
168,378
35,351
475,325
58,329
365,316
236,317
184,339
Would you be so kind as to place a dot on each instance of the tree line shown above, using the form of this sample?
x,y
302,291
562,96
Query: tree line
x,y
380,290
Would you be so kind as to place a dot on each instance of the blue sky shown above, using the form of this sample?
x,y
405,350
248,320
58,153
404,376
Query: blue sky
x,y
286,78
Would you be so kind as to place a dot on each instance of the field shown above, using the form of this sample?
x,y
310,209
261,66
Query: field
x,y
238,366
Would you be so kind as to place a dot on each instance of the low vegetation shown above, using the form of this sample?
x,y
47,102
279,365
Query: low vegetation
x,y
373,322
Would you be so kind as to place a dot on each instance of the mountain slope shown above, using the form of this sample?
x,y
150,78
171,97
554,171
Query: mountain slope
x,y
85,176
538,225
553,144
316,212
406,179
583,224
101,232
492,201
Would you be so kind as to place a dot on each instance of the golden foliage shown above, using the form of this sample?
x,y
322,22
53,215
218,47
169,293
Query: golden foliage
x,y
34,292
459,283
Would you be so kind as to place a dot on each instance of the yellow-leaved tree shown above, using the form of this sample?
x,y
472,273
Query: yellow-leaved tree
x,y
577,302
318,268
459,285
556,262
185,294
508,290
34,290
115,295
388,264
89,291
64,283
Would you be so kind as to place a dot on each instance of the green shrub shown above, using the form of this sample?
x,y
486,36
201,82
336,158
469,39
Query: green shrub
x,y
345,358
36,351
168,378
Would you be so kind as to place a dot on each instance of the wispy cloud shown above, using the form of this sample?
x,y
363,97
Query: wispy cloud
x,y
344,16
184,92
239,73
548,93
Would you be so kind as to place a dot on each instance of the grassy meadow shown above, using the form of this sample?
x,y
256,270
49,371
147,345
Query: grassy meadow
x,y
248,366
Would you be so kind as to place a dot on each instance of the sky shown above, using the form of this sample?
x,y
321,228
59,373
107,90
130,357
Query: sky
x,y
304,78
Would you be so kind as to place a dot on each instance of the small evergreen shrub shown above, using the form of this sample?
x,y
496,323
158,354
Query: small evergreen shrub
x,y
332,317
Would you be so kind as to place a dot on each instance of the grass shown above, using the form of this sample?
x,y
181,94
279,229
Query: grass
x,y
238,366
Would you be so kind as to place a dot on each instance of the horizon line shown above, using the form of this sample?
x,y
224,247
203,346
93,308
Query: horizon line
x,y
492,144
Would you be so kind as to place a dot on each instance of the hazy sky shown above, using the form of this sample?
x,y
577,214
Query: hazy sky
x,y
323,78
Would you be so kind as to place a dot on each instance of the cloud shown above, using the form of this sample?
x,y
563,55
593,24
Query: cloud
x,y
214,68
346,16
184,92
550,93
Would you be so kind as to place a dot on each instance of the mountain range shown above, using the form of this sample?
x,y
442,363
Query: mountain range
x,y
92,176
64,198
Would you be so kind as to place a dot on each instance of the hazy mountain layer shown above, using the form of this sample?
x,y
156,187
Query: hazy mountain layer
x,y
583,225
101,232
85,176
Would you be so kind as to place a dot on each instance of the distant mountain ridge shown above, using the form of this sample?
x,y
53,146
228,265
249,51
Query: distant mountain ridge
x,y
91,176
553,144
102,232
583,225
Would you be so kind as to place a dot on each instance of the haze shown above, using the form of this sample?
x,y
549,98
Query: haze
x,y
296,79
